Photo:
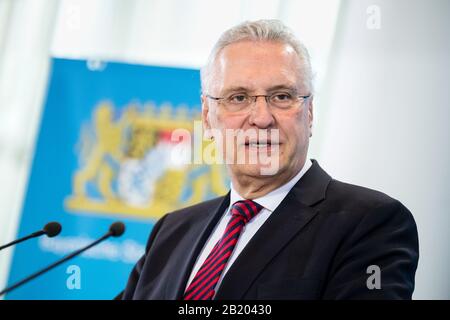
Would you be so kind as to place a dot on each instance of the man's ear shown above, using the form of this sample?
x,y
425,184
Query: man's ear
x,y
310,114
205,121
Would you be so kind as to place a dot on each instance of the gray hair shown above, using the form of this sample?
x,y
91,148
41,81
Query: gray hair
x,y
261,30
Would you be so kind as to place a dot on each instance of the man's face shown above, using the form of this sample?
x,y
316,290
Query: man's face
x,y
260,68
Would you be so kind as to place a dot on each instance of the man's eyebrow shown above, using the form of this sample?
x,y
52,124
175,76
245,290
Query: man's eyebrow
x,y
281,87
270,89
235,89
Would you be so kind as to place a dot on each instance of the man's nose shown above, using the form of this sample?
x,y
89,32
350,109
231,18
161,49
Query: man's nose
x,y
261,113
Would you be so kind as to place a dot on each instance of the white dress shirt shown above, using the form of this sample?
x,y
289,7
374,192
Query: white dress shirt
x,y
269,202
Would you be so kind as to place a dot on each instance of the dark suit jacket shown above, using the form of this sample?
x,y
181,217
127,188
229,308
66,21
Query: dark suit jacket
x,y
317,244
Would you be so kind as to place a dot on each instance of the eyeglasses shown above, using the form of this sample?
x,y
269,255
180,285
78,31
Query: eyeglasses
x,y
241,101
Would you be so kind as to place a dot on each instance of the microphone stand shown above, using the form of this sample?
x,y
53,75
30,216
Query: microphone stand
x,y
54,265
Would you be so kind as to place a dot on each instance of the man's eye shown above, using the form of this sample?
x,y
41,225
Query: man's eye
x,y
238,98
282,97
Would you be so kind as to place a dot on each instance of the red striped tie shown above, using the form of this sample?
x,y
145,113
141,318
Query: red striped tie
x,y
203,285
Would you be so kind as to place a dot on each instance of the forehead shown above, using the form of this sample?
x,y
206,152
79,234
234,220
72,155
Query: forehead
x,y
256,65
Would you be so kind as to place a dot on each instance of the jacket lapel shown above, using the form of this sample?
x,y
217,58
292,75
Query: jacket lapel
x,y
294,213
176,286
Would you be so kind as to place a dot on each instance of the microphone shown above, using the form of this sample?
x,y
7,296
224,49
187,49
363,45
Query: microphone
x,y
115,230
51,229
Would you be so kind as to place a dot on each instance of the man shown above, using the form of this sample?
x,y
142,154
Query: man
x,y
293,234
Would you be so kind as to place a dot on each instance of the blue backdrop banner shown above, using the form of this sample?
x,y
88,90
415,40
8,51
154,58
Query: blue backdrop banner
x,y
105,152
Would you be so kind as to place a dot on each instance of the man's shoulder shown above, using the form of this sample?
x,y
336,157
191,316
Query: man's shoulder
x,y
351,197
351,205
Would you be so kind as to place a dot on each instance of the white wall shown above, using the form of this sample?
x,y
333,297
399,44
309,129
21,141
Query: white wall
x,y
385,118
25,36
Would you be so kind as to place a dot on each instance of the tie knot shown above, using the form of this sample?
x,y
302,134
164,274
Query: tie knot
x,y
245,209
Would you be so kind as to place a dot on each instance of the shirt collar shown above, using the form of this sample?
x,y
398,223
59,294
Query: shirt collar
x,y
271,200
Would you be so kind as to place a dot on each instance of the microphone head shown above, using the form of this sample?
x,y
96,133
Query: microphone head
x,y
52,229
117,229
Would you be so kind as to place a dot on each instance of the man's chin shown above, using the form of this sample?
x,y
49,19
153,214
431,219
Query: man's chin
x,y
255,170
